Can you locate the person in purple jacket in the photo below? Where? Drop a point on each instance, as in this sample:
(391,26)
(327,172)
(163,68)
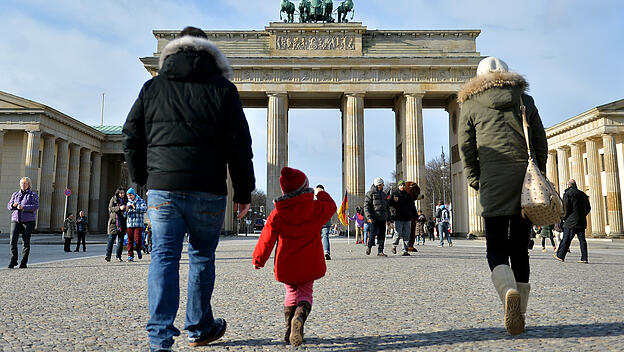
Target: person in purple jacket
(23,206)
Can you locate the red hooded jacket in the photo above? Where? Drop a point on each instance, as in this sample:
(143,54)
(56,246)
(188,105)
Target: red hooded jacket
(296,220)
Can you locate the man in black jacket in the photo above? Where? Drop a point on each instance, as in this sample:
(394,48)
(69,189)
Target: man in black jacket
(186,127)
(404,213)
(575,221)
(376,211)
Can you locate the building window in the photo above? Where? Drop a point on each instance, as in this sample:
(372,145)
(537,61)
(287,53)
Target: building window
(585,161)
(602,163)
(606,206)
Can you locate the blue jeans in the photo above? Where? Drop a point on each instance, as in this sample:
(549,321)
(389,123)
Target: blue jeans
(111,241)
(172,215)
(443,231)
(325,239)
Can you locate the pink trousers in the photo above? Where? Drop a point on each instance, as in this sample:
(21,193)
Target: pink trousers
(298,293)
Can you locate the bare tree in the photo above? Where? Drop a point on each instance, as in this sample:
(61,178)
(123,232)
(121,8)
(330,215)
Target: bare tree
(438,187)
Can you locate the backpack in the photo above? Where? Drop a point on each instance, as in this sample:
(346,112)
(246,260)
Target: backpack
(444,215)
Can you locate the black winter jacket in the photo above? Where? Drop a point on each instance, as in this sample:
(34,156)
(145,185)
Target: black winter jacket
(188,124)
(404,208)
(577,207)
(376,204)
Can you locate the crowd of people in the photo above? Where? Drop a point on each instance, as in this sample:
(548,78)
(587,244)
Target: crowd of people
(187,197)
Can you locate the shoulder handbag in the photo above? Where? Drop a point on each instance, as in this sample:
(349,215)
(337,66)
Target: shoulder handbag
(539,200)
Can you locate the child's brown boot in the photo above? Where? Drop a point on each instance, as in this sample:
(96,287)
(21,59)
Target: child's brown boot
(289,312)
(301,314)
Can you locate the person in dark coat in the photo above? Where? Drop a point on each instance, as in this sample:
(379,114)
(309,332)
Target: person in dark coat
(82,224)
(23,206)
(493,150)
(577,207)
(376,211)
(404,213)
(116,223)
(185,131)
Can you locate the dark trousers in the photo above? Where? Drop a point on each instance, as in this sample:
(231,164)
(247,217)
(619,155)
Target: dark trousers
(507,239)
(67,244)
(81,237)
(568,236)
(25,229)
(412,237)
(377,229)
(111,242)
(552,241)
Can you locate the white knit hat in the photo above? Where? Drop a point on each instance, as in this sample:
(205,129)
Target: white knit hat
(378,181)
(491,64)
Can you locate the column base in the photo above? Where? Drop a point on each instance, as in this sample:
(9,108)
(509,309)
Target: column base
(598,235)
(615,235)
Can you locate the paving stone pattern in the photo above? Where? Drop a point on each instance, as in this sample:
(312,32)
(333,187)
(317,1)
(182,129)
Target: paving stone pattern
(437,299)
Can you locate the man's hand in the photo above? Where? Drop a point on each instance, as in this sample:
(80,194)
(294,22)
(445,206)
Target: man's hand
(242,209)
(15,205)
(370,220)
(122,207)
(20,207)
(396,199)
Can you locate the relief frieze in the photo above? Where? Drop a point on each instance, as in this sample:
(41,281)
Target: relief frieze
(320,42)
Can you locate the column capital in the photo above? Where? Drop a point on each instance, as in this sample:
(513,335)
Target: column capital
(414,95)
(35,132)
(277,94)
(48,136)
(2,132)
(563,148)
(355,94)
(608,134)
(552,151)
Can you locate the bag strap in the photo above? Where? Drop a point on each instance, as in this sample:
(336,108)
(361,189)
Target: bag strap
(525,126)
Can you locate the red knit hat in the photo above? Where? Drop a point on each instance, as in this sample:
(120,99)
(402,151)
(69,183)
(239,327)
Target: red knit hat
(292,180)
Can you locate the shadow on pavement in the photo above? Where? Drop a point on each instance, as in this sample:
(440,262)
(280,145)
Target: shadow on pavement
(441,338)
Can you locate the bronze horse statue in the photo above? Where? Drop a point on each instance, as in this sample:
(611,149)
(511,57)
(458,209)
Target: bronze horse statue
(304,11)
(321,10)
(289,8)
(343,9)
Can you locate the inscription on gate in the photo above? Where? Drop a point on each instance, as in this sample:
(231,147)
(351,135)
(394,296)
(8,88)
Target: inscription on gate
(321,42)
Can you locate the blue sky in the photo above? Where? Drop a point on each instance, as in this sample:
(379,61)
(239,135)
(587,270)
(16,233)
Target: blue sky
(66,53)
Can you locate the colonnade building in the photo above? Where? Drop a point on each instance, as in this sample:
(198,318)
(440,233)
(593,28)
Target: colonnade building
(58,152)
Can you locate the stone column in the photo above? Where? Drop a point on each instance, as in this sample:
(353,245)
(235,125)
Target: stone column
(84,181)
(563,169)
(595,188)
(277,144)
(32,158)
(551,168)
(73,182)
(94,193)
(577,165)
(45,189)
(1,149)
(612,179)
(475,220)
(353,177)
(60,183)
(414,143)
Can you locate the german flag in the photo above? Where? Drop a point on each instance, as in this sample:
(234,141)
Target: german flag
(342,211)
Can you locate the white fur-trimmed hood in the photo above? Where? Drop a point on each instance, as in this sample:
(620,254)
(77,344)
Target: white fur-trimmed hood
(198,44)
(484,82)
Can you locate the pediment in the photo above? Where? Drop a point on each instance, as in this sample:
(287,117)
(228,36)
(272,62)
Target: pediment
(13,102)
(616,106)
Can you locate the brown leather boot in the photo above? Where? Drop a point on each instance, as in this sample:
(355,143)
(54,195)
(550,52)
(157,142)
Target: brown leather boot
(301,314)
(289,312)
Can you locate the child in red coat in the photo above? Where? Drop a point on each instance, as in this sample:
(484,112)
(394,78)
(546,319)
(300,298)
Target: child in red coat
(299,260)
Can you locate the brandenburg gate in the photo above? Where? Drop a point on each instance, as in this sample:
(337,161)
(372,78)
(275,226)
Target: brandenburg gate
(349,67)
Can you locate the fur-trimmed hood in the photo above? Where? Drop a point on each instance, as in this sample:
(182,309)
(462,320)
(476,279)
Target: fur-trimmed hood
(482,83)
(190,43)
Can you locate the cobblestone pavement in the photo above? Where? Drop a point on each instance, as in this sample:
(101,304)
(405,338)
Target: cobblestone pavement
(437,299)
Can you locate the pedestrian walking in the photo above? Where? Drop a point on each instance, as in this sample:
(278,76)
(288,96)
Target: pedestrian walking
(421,223)
(376,211)
(359,224)
(325,230)
(431,229)
(82,223)
(547,232)
(135,213)
(494,154)
(69,231)
(404,213)
(294,224)
(444,218)
(23,206)
(116,223)
(185,131)
(574,221)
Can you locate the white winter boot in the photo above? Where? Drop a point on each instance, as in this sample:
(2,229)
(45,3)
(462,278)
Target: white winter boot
(524,289)
(505,284)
